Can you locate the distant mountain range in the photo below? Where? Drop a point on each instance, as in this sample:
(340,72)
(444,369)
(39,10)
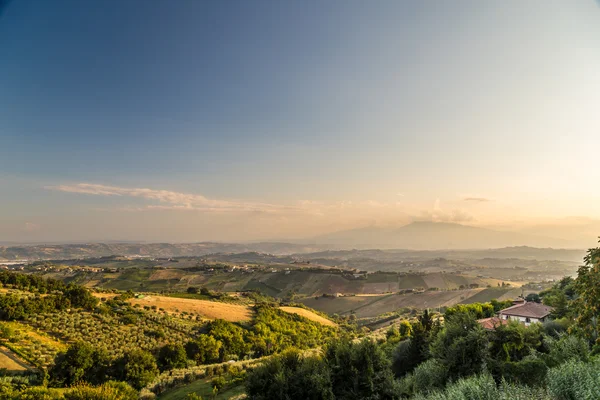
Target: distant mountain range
(92,250)
(435,235)
(435,238)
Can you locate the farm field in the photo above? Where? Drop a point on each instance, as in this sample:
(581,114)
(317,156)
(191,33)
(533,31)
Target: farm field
(308,314)
(205,308)
(11,363)
(371,306)
(488,294)
(203,388)
(278,280)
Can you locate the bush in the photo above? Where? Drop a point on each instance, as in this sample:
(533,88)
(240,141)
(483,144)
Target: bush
(108,391)
(219,382)
(568,347)
(575,380)
(483,387)
(555,328)
(428,376)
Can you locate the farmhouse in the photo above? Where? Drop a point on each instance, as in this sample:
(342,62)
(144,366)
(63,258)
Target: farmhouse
(526,312)
(521,311)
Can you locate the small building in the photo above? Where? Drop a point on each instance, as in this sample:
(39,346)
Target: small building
(526,312)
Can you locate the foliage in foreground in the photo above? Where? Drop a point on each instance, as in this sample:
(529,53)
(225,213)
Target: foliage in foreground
(108,391)
(346,370)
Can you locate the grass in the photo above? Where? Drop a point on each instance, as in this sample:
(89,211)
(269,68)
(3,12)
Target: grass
(309,315)
(202,388)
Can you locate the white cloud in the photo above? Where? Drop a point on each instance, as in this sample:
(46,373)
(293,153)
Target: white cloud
(476,199)
(437,214)
(169,200)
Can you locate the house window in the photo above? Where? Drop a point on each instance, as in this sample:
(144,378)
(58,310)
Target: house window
(528,319)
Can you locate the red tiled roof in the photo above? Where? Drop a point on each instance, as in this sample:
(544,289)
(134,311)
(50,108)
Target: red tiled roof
(528,309)
(491,323)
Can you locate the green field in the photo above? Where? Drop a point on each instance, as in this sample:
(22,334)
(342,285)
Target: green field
(371,306)
(203,388)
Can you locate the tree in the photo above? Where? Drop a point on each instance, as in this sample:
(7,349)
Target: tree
(72,366)
(172,356)
(412,352)
(204,349)
(138,368)
(230,335)
(561,306)
(587,286)
(533,297)
(405,328)
(290,376)
(514,341)
(462,346)
(359,371)
(80,297)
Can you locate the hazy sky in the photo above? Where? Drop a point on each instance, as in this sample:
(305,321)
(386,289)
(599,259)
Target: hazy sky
(198,120)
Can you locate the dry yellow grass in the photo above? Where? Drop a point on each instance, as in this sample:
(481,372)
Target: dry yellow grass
(105,295)
(308,314)
(207,309)
(11,362)
(494,282)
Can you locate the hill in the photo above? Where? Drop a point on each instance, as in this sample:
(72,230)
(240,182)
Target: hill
(90,250)
(434,235)
(303,312)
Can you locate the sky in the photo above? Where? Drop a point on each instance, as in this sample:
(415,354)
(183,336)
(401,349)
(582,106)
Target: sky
(266,120)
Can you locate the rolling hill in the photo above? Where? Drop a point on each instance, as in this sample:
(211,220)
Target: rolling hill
(434,235)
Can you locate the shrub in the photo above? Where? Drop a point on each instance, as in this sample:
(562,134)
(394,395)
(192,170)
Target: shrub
(483,387)
(575,380)
(428,376)
(219,382)
(568,347)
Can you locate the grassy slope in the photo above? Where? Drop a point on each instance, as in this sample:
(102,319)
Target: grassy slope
(309,315)
(203,388)
(206,308)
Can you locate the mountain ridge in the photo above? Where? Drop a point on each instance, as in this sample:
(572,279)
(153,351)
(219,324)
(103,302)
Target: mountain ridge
(428,235)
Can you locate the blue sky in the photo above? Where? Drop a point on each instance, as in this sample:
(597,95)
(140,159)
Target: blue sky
(293,118)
